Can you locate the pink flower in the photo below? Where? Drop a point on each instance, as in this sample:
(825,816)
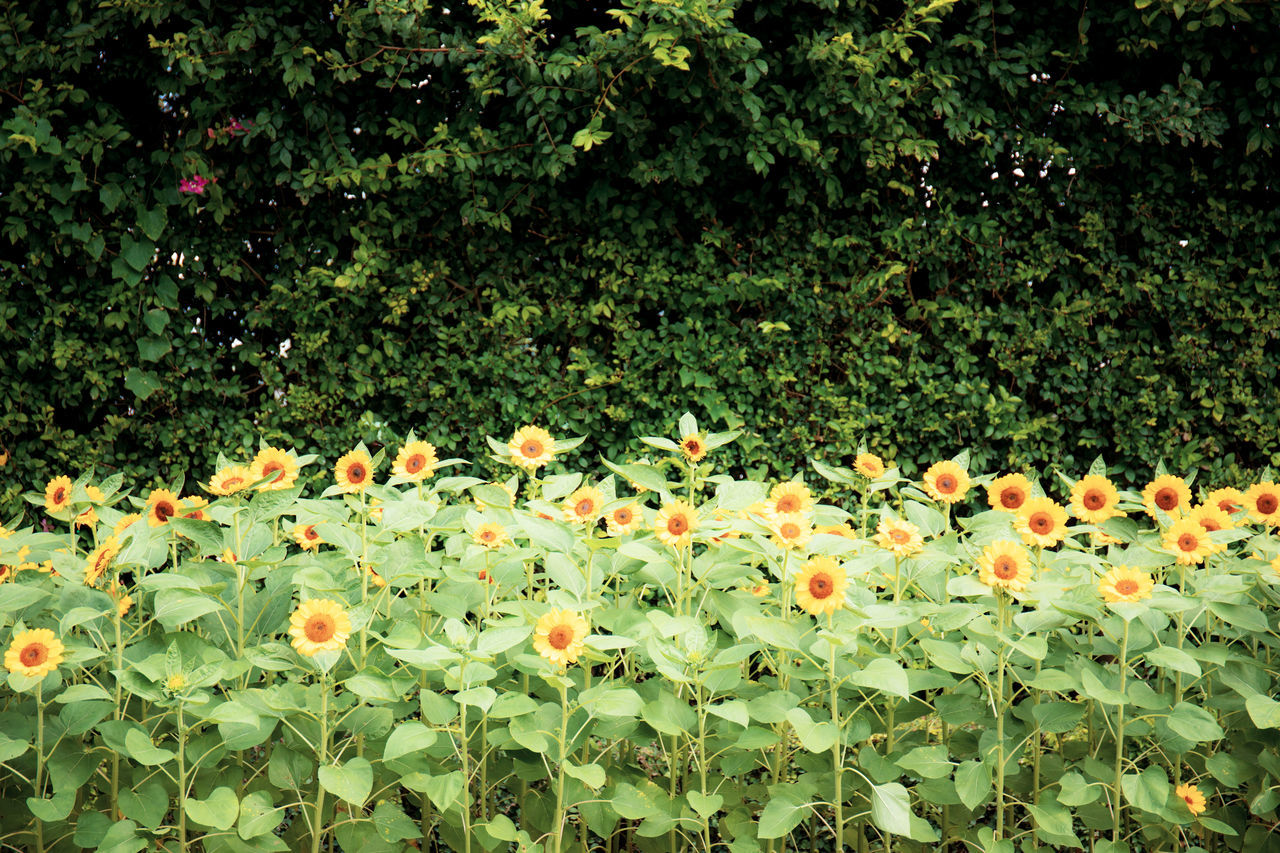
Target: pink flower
(234,126)
(194,185)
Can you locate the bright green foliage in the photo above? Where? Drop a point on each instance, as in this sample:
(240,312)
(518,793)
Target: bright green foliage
(464,218)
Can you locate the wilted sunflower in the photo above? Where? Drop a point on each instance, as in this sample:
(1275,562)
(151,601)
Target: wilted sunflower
(1094,499)
(1191,795)
(1005,565)
(675,524)
(1170,494)
(305,535)
(1188,541)
(790,530)
(531,448)
(820,586)
(1125,584)
(1042,522)
(490,535)
(162,505)
(229,480)
(558,636)
(946,481)
(1262,500)
(415,461)
(57,495)
(790,497)
(693,446)
(353,472)
(274,463)
(34,653)
(100,560)
(902,538)
(319,625)
(869,465)
(583,506)
(1229,500)
(1009,493)
(624,519)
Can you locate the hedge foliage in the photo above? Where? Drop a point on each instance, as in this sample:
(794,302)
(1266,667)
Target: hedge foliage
(1042,232)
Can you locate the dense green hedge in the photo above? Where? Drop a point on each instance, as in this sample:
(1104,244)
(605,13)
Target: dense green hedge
(784,214)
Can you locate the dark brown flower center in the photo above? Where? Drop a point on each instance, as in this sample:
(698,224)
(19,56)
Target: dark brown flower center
(165,510)
(1094,500)
(1167,498)
(560,637)
(622,517)
(59,495)
(946,484)
(488,535)
(1209,524)
(531,449)
(1228,506)
(1012,497)
(899,536)
(1005,568)
(273,468)
(1041,523)
(820,586)
(677,524)
(1126,586)
(319,628)
(789,530)
(692,446)
(1267,503)
(1188,542)
(310,532)
(232,481)
(788,503)
(356,473)
(34,654)
(585,507)
(416,463)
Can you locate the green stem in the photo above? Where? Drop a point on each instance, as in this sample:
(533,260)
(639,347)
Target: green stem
(837,748)
(317,824)
(182,780)
(119,712)
(1002,606)
(558,836)
(39,784)
(702,766)
(1119,774)
(466,776)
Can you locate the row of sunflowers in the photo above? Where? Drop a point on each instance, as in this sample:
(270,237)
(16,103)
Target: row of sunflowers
(655,657)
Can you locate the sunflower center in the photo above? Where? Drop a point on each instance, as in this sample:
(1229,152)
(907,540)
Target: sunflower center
(1267,504)
(560,637)
(59,495)
(356,473)
(320,628)
(1012,498)
(693,447)
(487,535)
(531,449)
(273,468)
(946,484)
(165,510)
(790,530)
(310,532)
(1094,500)
(820,586)
(1126,586)
(1188,799)
(677,524)
(416,463)
(1228,506)
(1188,542)
(1041,523)
(1166,499)
(899,536)
(1209,524)
(622,516)
(232,481)
(34,654)
(585,506)
(1005,568)
(788,503)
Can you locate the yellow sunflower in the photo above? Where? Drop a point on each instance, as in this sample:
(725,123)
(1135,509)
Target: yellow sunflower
(1005,565)
(123,601)
(843,529)
(229,480)
(1094,499)
(1227,499)
(558,636)
(675,524)
(820,586)
(415,461)
(490,535)
(1008,493)
(57,495)
(869,465)
(790,497)
(274,463)
(583,506)
(125,521)
(89,518)
(1170,494)
(902,538)
(319,625)
(1191,795)
(193,508)
(1262,500)
(162,505)
(100,560)
(624,519)
(34,653)
(790,530)
(1125,584)
(1211,517)
(531,448)
(353,472)
(694,447)
(306,537)
(1042,522)
(1188,541)
(946,481)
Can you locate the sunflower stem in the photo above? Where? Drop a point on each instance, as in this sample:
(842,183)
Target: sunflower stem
(1002,611)
(837,748)
(1118,806)
(558,826)
(182,780)
(39,782)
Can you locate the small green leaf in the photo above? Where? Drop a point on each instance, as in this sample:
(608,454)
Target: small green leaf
(352,781)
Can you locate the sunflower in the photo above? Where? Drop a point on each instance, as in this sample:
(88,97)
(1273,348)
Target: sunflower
(274,463)
(490,535)
(89,518)
(900,537)
(790,497)
(820,586)
(1211,517)
(162,505)
(558,636)
(675,524)
(57,495)
(1042,522)
(229,480)
(353,472)
(1005,565)
(1191,795)
(760,590)
(34,653)
(1167,493)
(790,530)
(319,625)
(624,519)
(1125,584)
(100,559)
(193,508)
(1101,539)
(1009,493)
(1228,500)
(306,537)
(123,601)
(869,465)
(531,448)
(843,530)
(693,446)
(1188,541)
(946,481)
(125,521)
(1262,500)
(583,506)
(415,462)
(376,579)
(1094,499)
